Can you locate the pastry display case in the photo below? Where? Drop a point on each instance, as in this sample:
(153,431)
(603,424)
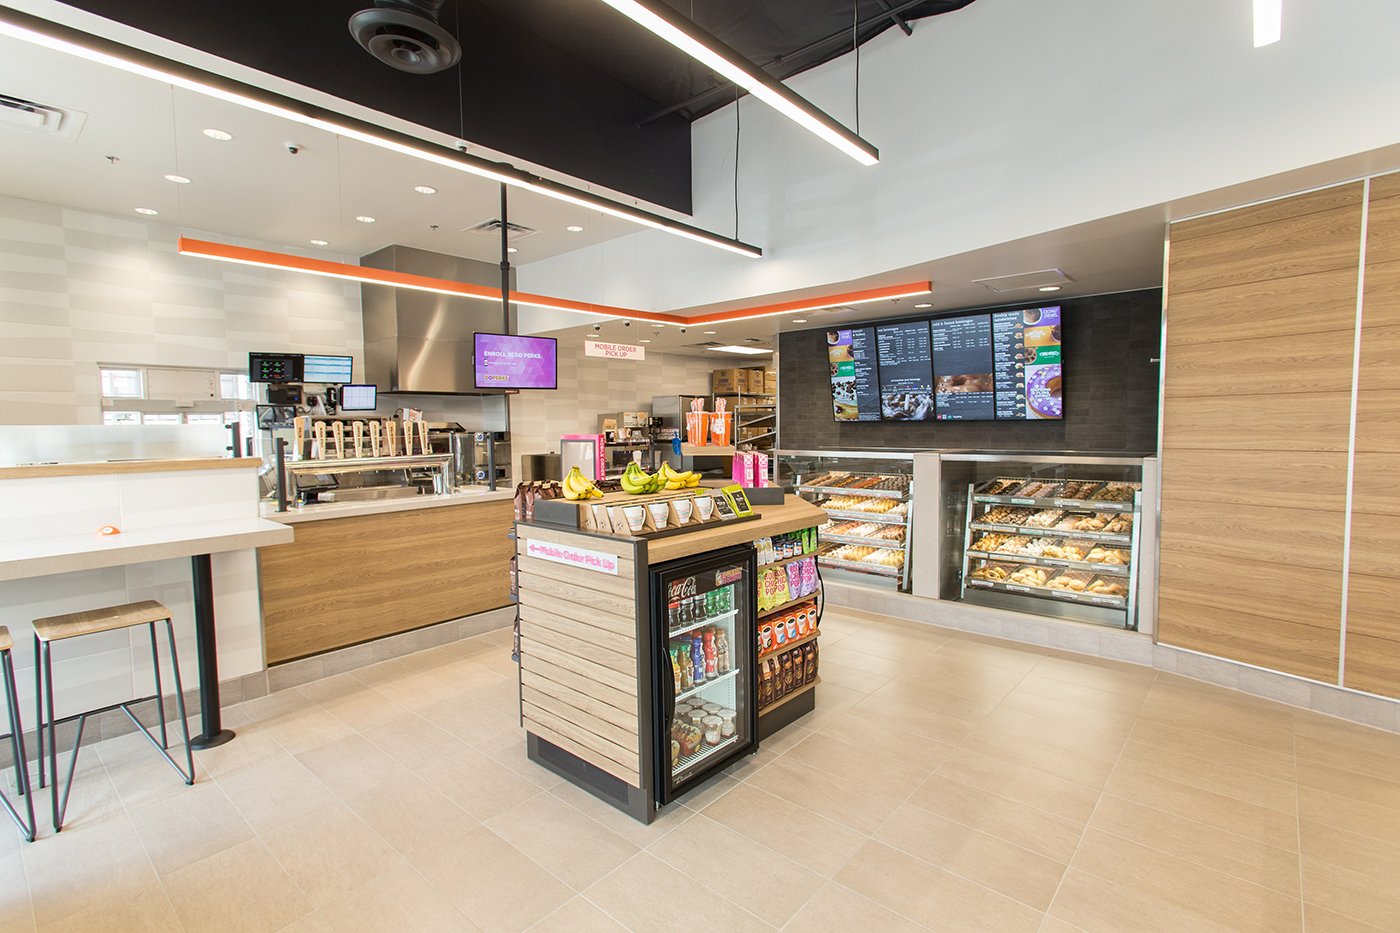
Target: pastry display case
(868,499)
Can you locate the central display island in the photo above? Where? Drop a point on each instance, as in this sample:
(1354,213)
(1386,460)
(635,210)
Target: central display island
(651,662)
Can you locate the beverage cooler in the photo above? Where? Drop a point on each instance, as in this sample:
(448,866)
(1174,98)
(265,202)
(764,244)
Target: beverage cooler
(705,711)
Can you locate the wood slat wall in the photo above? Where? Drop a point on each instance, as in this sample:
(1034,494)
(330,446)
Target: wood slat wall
(578,648)
(1261,322)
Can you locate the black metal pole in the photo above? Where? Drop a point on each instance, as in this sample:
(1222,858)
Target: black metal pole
(281,474)
(236,448)
(505,263)
(206,646)
(491,460)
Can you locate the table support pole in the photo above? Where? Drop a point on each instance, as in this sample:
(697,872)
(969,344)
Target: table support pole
(213,732)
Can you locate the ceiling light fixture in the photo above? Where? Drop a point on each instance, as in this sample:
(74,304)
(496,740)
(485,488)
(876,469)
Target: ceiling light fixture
(320,243)
(1268,22)
(425,189)
(748,351)
(799,320)
(365,219)
(644,340)
(709,333)
(511,249)
(574,228)
(221,135)
(70,41)
(665,22)
(1049,288)
(178,179)
(922,305)
(148,211)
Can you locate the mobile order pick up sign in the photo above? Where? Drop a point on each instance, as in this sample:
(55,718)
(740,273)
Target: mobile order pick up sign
(569,556)
(613,351)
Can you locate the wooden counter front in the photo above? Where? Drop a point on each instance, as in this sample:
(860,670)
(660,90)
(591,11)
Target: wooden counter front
(349,580)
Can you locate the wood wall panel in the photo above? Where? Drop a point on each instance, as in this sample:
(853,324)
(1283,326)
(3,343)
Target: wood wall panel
(1297,246)
(1300,304)
(1372,664)
(1385,186)
(1293,363)
(1288,537)
(348,580)
(1295,594)
(1383,230)
(1300,479)
(1270,212)
(1262,423)
(1277,644)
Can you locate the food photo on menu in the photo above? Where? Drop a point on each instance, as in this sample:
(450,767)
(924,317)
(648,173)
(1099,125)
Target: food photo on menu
(906,371)
(854,389)
(1043,370)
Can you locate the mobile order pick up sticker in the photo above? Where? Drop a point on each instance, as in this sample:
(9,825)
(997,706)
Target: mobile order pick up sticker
(569,556)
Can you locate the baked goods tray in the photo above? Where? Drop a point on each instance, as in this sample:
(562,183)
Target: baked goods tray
(1052,532)
(883,518)
(852,491)
(1069,596)
(1077,505)
(856,539)
(1116,570)
(860,566)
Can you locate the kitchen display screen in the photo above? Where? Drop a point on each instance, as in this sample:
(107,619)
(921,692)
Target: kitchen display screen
(358,398)
(962,368)
(506,361)
(855,387)
(1029,366)
(330,370)
(906,371)
(274,367)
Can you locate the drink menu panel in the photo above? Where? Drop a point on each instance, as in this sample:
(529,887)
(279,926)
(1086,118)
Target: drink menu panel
(906,371)
(855,385)
(1028,364)
(963,368)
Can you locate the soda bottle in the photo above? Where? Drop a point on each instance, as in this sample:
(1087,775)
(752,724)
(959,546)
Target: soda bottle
(676,671)
(673,613)
(722,651)
(697,660)
(711,662)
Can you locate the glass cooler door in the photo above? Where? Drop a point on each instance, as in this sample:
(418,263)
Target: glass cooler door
(703,629)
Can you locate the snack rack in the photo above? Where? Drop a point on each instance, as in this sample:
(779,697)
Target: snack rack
(1072,541)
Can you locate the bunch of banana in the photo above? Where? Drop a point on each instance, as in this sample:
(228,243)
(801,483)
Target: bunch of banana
(577,486)
(637,481)
(674,480)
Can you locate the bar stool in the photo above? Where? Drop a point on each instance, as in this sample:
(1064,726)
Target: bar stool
(16,741)
(93,622)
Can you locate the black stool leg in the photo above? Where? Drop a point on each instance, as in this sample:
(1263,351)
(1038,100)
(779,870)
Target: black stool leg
(180,701)
(17,744)
(39,707)
(53,738)
(160,694)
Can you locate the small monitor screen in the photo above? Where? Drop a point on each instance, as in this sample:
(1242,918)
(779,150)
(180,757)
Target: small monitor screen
(274,367)
(358,398)
(330,370)
(508,361)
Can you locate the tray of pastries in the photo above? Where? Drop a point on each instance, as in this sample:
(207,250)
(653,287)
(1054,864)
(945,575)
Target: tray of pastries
(1067,550)
(993,573)
(1030,576)
(990,541)
(860,504)
(1091,521)
(1117,492)
(1105,586)
(1074,581)
(1079,488)
(1001,486)
(1035,489)
(885,557)
(1120,524)
(850,552)
(1045,518)
(1006,515)
(1117,557)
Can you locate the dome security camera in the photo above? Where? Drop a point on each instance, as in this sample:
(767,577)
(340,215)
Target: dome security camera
(597,327)
(626,323)
(682,330)
(293,148)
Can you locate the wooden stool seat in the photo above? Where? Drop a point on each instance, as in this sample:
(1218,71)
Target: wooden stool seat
(6,643)
(93,621)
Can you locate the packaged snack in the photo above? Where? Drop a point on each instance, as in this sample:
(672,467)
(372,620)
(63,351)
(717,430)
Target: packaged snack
(809,656)
(728,722)
(780,636)
(710,728)
(794,579)
(789,683)
(790,621)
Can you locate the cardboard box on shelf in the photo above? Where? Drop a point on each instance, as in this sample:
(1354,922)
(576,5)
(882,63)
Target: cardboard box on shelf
(753,381)
(770,383)
(726,381)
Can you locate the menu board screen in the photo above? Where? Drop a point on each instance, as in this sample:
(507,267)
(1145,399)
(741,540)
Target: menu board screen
(1029,366)
(855,389)
(906,371)
(962,368)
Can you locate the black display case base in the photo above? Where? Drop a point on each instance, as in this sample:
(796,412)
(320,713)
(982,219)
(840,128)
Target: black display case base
(633,801)
(785,715)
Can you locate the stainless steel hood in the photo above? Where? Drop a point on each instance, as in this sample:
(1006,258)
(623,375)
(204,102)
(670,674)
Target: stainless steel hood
(421,342)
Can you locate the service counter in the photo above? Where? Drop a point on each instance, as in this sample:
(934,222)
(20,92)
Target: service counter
(364,570)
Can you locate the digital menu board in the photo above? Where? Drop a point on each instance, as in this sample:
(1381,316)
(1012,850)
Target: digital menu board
(508,361)
(906,371)
(962,368)
(1029,370)
(855,388)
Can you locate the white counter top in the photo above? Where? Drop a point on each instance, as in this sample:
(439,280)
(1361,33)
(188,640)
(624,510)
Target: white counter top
(42,556)
(324,510)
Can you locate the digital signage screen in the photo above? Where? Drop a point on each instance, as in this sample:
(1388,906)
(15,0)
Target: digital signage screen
(508,361)
(963,382)
(274,367)
(1029,359)
(330,370)
(906,371)
(855,385)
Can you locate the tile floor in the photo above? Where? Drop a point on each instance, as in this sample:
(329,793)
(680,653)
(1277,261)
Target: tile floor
(945,782)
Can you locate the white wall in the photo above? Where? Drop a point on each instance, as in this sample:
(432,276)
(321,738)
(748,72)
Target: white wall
(1004,120)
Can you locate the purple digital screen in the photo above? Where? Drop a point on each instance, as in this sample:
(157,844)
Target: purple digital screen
(506,361)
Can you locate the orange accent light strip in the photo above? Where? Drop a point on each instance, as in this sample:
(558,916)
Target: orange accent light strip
(799,306)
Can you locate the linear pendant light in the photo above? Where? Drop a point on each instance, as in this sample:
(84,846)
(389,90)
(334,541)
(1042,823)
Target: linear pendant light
(658,17)
(70,41)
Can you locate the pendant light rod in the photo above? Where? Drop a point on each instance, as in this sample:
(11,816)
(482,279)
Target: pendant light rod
(666,23)
(38,31)
(505,262)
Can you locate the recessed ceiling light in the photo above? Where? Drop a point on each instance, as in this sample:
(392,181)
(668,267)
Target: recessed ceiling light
(365,219)
(922,305)
(425,189)
(320,243)
(644,340)
(1268,22)
(178,179)
(710,333)
(744,350)
(799,320)
(511,249)
(220,135)
(1049,288)
(574,228)
(148,211)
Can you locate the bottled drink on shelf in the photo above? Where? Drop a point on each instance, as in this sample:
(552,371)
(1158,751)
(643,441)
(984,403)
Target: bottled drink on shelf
(697,659)
(711,663)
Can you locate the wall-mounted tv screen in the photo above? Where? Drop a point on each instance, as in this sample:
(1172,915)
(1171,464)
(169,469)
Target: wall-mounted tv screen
(963,384)
(274,367)
(508,361)
(1029,364)
(330,370)
(855,384)
(906,371)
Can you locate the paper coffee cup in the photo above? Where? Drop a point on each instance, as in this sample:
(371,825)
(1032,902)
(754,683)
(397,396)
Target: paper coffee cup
(636,517)
(660,513)
(705,505)
(683,507)
(600,518)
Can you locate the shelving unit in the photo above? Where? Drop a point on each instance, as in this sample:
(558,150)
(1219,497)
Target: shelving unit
(835,486)
(768,724)
(752,411)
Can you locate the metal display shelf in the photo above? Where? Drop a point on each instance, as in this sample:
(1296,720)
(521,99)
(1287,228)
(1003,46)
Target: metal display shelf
(1054,532)
(862,567)
(687,762)
(797,692)
(713,620)
(857,539)
(1076,505)
(849,491)
(1114,570)
(708,683)
(884,518)
(1088,599)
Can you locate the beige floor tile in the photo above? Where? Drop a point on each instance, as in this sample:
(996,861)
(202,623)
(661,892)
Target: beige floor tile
(516,758)
(852,678)
(276,791)
(1190,839)
(1320,920)
(304,728)
(1369,855)
(1023,784)
(412,816)
(411,740)
(1235,903)
(1098,905)
(578,915)
(932,896)
(575,848)
(253,745)
(1263,824)
(1087,768)
(147,910)
(476,724)
(921,692)
(84,868)
(137,775)
(1101,741)
(477,783)
(491,881)
(922,721)
(189,827)
(636,895)
(329,853)
(859,660)
(361,709)
(703,848)
(893,645)
(1352,890)
(1105,720)
(1271,733)
(1366,788)
(639,834)
(1019,874)
(398,900)
(991,653)
(1348,813)
(873,741)
(1343,734)
(1048,834)
(1274,793)
(837,907)
(350,766)
(1052,925)
(819,844)
(1089,696)
(240,889)
(713,789)
(1269,763)
(1128,680)
(15,911)
(859,805)
(897,775)
(1376,759)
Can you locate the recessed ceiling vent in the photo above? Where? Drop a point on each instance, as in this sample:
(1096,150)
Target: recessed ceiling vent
(1024,280)
(18,113)
(405,34)
(492,228)
(707,344)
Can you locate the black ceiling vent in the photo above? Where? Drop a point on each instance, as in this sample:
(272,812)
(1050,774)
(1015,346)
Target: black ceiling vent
(492,227)
(405,34)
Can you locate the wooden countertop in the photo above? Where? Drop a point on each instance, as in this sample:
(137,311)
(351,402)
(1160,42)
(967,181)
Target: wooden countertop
(115,467)
(794,514)
(321,511)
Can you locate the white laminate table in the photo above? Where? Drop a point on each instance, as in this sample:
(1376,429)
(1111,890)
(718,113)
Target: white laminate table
(197,541)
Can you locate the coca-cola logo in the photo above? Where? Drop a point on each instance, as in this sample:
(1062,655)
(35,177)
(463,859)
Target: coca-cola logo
(683,589)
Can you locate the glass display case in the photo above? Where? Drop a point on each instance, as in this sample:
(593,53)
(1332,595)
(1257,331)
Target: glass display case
(869,501)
